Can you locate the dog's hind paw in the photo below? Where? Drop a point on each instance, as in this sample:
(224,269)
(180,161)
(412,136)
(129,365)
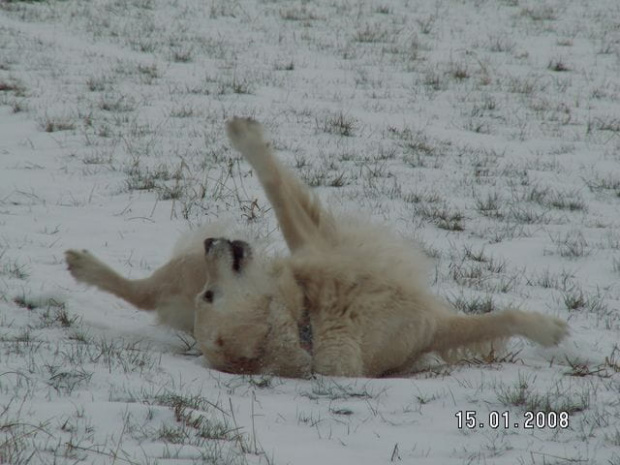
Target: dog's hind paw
(246,136)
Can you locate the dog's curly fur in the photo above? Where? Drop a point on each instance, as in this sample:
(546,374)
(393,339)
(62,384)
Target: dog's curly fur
(360,288)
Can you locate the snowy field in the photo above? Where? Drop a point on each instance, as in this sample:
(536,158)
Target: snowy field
(487,131)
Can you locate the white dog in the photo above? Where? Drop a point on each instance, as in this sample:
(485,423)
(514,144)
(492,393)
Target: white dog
(350,300)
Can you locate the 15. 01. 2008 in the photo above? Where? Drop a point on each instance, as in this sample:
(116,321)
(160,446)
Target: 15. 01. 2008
(469,419)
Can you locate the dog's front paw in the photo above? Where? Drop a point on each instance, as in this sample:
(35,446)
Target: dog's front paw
(76,259)
(547,331)
(246,135)
(83,266)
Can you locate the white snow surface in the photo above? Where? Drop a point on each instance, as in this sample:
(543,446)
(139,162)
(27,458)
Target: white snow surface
(486,131)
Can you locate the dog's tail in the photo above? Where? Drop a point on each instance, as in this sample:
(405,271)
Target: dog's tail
(458,337)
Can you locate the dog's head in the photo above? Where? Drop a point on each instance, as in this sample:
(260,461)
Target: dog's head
(231,311)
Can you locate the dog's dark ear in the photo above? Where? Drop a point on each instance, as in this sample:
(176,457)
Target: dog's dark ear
(241,251)
(208,243)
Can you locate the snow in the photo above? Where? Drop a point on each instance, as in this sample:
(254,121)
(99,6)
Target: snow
(487,131)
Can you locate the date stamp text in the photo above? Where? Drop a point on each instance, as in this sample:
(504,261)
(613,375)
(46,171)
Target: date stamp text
(470,419)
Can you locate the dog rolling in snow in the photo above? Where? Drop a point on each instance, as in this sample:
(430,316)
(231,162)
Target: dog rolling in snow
(349,300)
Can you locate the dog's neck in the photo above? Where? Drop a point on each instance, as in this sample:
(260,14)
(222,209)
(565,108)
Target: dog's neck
(305,331)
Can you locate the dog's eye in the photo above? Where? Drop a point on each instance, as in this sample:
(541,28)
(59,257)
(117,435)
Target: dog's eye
(208,296)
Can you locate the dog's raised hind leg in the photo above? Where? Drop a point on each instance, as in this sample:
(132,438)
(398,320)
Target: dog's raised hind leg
(299,212)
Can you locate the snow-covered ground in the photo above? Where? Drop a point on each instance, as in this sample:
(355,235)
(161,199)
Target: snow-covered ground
(489,131)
